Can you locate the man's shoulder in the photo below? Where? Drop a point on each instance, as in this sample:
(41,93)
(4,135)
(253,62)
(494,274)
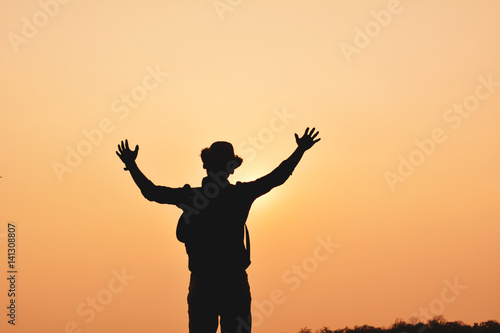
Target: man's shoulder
(239,185)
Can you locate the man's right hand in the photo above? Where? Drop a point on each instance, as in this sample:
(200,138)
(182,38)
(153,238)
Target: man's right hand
(126,155)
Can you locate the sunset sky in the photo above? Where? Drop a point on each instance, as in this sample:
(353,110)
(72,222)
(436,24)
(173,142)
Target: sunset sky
(394,213)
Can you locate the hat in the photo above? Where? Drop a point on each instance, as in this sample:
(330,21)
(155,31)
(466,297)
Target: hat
(220,157)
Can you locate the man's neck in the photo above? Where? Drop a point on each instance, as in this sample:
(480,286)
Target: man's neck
(219,180)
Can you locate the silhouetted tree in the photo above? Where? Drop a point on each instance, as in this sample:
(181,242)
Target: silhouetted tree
(342,330)
(490,326)
(325,330)
(399,324)
(455,326)
(435,325)
(414,320)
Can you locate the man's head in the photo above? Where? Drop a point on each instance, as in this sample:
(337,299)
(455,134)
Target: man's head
(220,157)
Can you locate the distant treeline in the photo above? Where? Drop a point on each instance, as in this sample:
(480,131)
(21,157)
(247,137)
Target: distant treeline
(436,325)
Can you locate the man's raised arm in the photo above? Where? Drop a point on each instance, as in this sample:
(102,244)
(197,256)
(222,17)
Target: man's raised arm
(279,175)
(150,191)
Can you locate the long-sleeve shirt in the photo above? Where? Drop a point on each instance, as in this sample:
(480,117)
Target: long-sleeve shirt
(212,225)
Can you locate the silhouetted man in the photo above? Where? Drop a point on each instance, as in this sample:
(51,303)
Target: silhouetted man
(212,227)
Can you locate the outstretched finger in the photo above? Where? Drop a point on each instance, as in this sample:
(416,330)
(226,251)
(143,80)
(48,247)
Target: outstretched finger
(306,131)
(314,135)
(126,144)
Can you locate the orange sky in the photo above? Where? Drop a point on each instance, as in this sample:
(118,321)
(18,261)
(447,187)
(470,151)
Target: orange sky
(404,184)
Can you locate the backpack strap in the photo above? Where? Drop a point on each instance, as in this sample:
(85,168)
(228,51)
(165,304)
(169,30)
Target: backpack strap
(247,238)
